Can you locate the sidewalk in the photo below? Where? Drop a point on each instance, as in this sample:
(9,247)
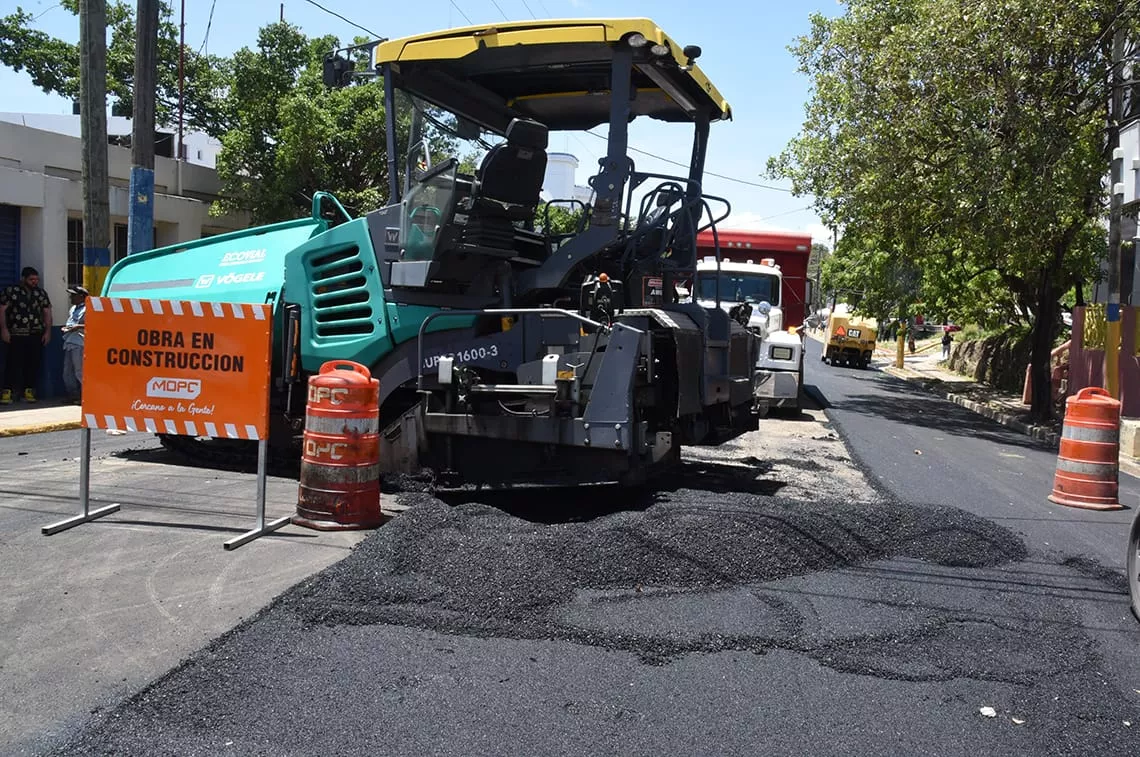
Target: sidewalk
(27,418)
(926,367)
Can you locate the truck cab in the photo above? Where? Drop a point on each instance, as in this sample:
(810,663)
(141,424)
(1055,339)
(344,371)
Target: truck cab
(753,291)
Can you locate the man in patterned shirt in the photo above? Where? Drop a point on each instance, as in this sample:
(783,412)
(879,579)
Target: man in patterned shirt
(25,326)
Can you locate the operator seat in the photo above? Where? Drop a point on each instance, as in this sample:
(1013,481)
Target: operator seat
(507,188)
(511,174)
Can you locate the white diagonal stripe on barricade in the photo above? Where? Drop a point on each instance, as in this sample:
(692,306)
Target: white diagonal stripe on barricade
(259,312)
(109,422)
(219,311)
(156,307)
(129,422)
(196,308)
(176,307)
(136,306)
(231,431)
(92,421)
(116,304)
(191,429)
(97,304)
(239,310)
(171,427)
(211,430)
(251,432)
(150,425)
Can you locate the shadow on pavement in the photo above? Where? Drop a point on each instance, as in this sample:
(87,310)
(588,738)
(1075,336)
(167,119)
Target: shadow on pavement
(913,406)
(571,504)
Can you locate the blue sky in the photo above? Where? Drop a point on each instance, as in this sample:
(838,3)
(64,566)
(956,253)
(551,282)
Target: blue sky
(744,53)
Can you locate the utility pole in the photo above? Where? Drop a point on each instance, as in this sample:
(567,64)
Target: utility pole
(93,133)
(1112,332)
(140,224)
(181,87)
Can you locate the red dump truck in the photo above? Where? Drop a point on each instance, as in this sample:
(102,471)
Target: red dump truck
(789,250)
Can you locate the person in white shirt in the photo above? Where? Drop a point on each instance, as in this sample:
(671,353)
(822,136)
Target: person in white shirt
(73,344)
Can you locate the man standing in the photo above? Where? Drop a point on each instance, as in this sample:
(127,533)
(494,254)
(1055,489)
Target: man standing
(73,344)
(25,326)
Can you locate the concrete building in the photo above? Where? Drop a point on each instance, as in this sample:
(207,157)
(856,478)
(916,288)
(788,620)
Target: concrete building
(559,183)
(197,147)
(41,212)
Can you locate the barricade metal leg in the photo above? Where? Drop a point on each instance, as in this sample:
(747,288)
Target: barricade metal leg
(84,492)
(261,529)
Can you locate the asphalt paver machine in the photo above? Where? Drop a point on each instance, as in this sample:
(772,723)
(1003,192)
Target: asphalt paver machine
(506,353)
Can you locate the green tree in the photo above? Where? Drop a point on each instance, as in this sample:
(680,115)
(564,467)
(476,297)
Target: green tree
(562,220)
(53,65)
(965,139)
(291,136)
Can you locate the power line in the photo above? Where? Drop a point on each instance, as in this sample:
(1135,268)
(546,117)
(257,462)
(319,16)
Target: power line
(209,23)
(461,13)
(707,173)
(786,213)
(42,13)
(496,4)
(528,10)
(544,8)
(342,18)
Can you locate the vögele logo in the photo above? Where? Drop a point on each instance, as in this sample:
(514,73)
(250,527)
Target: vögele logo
(173,388)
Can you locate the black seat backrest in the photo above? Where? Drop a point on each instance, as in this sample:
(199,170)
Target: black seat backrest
(513,171)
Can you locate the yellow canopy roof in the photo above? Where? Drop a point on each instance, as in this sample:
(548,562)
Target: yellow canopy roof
(554,71)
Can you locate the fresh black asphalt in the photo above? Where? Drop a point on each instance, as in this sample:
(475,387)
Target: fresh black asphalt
(702,619)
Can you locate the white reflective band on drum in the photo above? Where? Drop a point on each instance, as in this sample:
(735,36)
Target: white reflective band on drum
(1082,434)
(1100,470)
(321,424)
(340,474)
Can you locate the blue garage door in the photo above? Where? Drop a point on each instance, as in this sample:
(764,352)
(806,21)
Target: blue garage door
(9,245)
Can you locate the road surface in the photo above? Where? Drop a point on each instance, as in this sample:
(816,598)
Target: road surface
(954,612)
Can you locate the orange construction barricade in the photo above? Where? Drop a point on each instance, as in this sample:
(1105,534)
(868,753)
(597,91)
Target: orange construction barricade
(340,464)
(1089,459)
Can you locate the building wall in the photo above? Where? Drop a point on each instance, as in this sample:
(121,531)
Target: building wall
(40,173)
(558,183)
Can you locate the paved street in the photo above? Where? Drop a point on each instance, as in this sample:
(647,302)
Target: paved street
(734,609)
(94,613)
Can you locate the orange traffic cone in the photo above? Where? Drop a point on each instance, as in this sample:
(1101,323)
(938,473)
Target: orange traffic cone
(1089,459)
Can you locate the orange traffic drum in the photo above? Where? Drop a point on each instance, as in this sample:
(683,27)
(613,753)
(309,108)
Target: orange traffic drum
(1088,462)
(339,485)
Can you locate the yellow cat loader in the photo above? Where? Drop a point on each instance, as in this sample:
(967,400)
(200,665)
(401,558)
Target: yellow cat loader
(849,341)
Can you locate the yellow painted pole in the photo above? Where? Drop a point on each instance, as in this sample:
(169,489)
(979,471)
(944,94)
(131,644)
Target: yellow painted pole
(901,351)
(1112,354)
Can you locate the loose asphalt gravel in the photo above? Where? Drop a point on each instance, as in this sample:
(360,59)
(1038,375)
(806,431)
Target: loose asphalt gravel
(764,599)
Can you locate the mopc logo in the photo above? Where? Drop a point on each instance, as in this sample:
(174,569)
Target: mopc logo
(204,281)
(173,388)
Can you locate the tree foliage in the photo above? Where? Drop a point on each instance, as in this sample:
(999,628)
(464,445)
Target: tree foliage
(291,136)
(53,65)
(961,146)
(562,220)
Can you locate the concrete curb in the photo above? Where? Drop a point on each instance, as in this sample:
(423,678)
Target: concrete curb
(40,428)
(1041,433)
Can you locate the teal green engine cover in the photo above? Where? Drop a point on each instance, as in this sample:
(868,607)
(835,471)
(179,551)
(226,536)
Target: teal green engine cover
(242,266)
